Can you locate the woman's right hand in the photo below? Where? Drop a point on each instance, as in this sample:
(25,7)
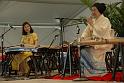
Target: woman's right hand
(90,21)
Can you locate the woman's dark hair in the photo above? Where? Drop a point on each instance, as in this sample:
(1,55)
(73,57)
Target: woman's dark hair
(23,31)
(100,6)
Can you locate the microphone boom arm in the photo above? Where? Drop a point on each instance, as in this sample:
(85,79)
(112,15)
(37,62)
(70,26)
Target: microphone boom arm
(2,46)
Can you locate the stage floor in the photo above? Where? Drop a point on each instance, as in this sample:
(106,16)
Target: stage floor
(43,80)
(54,81)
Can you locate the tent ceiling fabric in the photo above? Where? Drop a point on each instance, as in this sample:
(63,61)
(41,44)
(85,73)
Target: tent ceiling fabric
(73,2)
(38,11)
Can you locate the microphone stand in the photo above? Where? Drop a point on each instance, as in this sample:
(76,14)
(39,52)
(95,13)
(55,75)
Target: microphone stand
(53,40)
(61,20)
(81,78)
(2,46)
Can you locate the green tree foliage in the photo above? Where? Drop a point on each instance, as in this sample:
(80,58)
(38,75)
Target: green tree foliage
(115,12)
(88,3)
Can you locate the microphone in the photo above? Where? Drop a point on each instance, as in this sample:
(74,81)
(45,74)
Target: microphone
(85,21)
(61,18)
(56,35)
(12,27)
(80,20)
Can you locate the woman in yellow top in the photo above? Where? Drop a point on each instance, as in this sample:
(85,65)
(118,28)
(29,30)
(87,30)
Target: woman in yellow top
(29,40)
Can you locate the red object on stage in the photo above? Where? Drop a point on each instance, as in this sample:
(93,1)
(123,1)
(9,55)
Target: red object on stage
(106,77)
(1,57)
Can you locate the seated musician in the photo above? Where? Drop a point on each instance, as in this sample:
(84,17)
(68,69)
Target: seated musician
(98,26)
(29,40)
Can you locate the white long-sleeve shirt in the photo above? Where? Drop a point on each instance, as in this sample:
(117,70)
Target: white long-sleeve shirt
(101,29)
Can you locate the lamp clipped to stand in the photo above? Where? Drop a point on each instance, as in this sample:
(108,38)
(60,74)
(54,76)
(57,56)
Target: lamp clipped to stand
(2,48)
(81,73)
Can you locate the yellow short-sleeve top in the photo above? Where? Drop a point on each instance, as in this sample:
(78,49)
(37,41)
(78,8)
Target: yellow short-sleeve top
(29,39)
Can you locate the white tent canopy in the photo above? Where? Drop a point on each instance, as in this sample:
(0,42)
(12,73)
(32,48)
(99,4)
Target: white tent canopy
(38,12)
(42,15)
